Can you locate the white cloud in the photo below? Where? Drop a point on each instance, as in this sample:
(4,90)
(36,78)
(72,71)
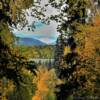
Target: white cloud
(46,40)
(48,31)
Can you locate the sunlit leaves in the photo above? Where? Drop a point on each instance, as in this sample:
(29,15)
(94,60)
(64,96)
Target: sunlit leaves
(88,47)
(46,82)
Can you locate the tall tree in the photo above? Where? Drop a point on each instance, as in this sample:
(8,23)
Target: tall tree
(11,63)
(72,15)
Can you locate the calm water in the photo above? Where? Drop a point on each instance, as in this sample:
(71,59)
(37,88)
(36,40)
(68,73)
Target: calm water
(37,60)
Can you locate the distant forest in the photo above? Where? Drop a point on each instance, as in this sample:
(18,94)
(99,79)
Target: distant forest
(46,51)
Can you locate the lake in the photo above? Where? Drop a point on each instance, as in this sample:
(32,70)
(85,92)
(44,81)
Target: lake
(42,61)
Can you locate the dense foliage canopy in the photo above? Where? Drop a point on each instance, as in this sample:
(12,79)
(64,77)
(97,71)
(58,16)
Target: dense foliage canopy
(75,72)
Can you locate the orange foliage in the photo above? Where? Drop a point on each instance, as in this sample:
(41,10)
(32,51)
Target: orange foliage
(88,46)
(97,21)
(89,38)
(42,87)
(46,81)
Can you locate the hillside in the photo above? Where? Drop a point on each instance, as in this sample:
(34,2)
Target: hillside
(46,51)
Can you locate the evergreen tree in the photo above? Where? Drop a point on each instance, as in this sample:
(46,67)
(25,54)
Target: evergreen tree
(73,14)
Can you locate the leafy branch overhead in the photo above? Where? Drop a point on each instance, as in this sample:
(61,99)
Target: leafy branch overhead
(75,72)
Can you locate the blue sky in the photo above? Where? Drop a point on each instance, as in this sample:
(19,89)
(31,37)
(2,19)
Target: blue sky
(43,32)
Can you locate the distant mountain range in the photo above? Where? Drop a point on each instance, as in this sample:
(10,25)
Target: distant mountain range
(30,42)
